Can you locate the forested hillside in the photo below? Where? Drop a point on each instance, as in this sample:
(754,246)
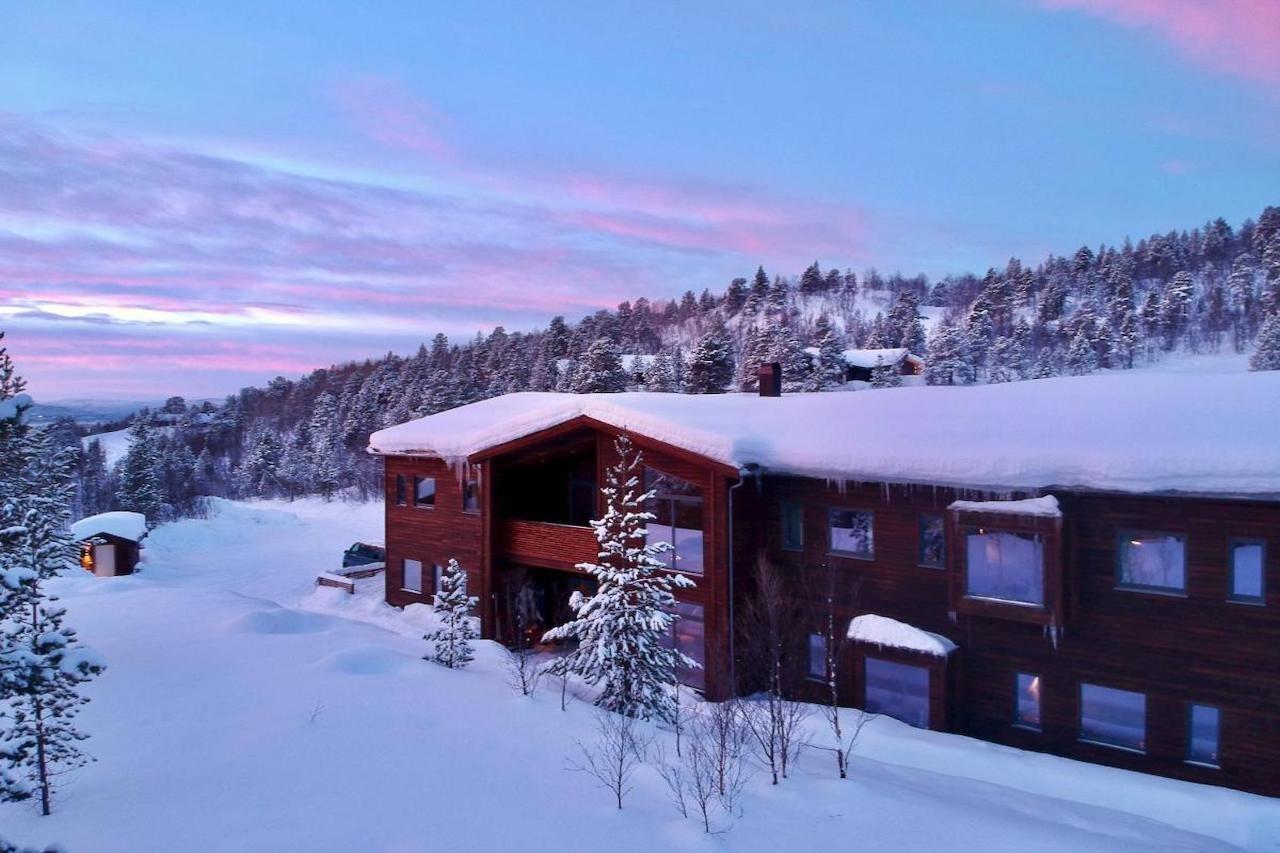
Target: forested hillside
(1211,289)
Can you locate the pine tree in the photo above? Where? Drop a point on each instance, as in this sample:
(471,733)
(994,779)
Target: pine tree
(600,371)
(885,375)
(710,368)
(140,486)
(623,630)
(950,361)
(661,375)
(1266,354)
(1082,358)
(828,368)
(451,642)
(324,446)
(41,661)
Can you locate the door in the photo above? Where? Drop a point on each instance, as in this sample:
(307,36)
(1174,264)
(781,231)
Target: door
(104,560)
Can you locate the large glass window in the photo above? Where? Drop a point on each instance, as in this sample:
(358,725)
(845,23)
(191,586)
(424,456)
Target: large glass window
(1004,566)
(424,491)
(1205,723)
(853,532)
(933,540)
(689,635)
(677,507)
(817,657)
(897,690)
(1026,711)
(471,495)
(1248,558)
(1153,561)
(1113,717)
(792,526)
(412,576)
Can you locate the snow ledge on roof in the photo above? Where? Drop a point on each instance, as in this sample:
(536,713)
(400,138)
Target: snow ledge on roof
(126,525)
(1043,507)
(883,631)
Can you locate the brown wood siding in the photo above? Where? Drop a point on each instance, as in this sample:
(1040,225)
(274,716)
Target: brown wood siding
(548,546)
(431,535)
(1175,649)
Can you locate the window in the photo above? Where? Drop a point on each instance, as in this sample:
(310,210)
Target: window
(1204,723)
(897,690)
(677,509)
(437,578)
(792,526)
(424,491)
(1247,574)
(412,579)
(852,533)
(817,657)
(1156,562)
(1026,709)
(1113,717)
(688,635)
(933,540)
(400,490)
(471,495)
(1004,566)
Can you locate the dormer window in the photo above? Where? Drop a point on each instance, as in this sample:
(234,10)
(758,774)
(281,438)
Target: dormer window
(1005,559)
(1004,565)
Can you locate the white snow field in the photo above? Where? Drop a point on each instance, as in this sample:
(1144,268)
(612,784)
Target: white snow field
(243,709)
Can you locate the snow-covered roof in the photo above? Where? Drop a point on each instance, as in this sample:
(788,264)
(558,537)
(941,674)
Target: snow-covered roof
(869,357)
(1131,431)
(883,631)
(1042,507)
(126,525)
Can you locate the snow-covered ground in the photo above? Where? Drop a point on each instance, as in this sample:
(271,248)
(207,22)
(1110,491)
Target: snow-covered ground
(243,709)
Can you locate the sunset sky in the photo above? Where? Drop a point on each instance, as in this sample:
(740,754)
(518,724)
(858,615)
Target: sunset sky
(197,197)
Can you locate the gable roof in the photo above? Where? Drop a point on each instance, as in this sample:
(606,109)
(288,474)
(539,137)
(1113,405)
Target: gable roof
(1132,431)
(868,357)
(124,525)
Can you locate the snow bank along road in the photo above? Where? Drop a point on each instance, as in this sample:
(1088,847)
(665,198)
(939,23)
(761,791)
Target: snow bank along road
(245,710)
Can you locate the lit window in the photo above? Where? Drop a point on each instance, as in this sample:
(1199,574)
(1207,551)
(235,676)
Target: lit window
(400,490)
(1026,711)
(792,526)
(1153,561)
(1205,721)
(1247,573)
(424,491)
(1113,717)
(412,581)
(897,690)
(933,541)
(817,657)
(852,532)
(1004,566)
(471,495)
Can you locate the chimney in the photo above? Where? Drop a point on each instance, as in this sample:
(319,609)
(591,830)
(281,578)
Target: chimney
(771,379)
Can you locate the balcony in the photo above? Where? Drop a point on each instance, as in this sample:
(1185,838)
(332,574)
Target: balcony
(544,544)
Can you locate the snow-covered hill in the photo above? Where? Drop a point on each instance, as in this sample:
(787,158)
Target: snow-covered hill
(242,709)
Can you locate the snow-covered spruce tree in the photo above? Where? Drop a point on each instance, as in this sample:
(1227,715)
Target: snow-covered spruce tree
(1266,356)
(710,364)
(451,642)
(623,630)
(41,662)
(140,489)
(599,371)
(885,375)
(1082,358)
(827,370)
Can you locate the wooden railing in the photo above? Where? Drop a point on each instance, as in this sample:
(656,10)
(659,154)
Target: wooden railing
(546,545)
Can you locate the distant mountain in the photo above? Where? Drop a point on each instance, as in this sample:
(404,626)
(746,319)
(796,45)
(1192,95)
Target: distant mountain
(87,412)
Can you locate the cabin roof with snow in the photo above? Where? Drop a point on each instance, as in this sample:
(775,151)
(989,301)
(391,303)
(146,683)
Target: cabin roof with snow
(122,525)
(868,358)
(1134,432)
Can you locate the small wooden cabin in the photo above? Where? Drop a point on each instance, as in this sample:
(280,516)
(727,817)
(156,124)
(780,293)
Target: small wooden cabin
(109,542)
(859,363)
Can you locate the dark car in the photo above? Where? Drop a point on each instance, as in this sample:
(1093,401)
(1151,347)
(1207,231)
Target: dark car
(362,553)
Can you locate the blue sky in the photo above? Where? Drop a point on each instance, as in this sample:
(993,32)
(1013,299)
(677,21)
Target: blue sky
(195,197)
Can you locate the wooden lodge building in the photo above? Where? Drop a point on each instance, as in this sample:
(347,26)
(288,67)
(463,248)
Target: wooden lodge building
(1085,566)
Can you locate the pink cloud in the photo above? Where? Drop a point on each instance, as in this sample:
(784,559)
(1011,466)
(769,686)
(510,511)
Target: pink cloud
(1238,37)
(387,112)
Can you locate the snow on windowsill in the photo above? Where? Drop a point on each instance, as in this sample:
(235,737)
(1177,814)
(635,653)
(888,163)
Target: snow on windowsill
(1043,507)
(883,631)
